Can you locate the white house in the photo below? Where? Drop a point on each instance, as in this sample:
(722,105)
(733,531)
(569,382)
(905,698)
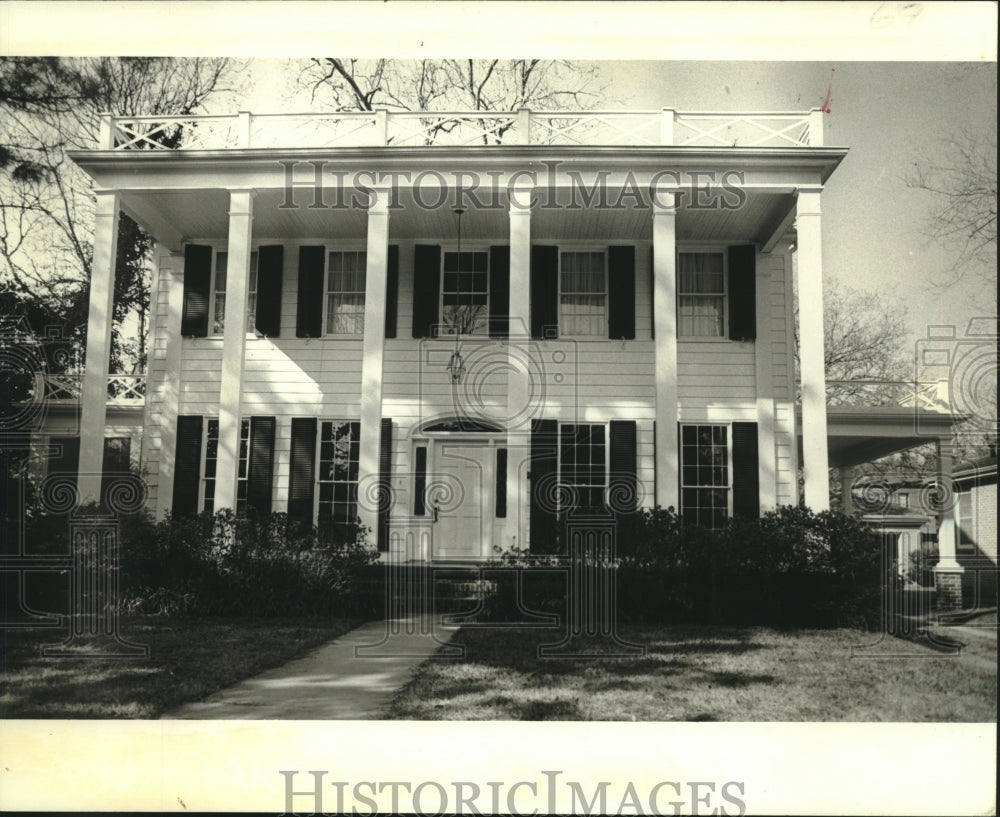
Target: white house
(456,340)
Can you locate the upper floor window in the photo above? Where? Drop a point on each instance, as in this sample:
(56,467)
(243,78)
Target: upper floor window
(465,293)
(220,278)
(345,292)
(583,294)
(701,294)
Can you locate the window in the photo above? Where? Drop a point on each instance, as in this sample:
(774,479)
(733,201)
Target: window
(583,463)
(701,294)
(583,294)
(211,458)
(966,531)
(903,500)
(345,292)
(220,278)
(705,494)
(465,293)
(338,473)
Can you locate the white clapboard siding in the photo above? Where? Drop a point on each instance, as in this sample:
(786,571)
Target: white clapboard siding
(715,370)
(786,453)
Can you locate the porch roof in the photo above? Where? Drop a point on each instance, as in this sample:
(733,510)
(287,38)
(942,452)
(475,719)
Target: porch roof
(858,434)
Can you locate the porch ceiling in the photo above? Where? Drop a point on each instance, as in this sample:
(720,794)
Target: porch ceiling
(174,216)
(859,434)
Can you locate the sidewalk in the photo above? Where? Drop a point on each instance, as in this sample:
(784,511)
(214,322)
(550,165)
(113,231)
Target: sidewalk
(330,683)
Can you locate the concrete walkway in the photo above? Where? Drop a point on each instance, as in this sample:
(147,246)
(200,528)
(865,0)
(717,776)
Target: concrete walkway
(352,677)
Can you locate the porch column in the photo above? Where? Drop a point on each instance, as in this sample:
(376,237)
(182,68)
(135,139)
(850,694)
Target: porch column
(809,278)
(518,346)
(377,261)
(94,402)
(947,572)
(233,346)
(665,327)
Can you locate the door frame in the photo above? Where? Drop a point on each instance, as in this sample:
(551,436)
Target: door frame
(437,443)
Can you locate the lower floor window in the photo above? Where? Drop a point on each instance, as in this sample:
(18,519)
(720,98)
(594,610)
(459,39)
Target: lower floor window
(705,486)
(338,473)
(211,462)
(583,463)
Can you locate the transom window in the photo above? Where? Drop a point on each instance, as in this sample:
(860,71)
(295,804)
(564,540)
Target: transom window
(583,462)
(345,292)
(583,294)
(701,294)
(705,485)
(465,293)
(220,276)
(339,450)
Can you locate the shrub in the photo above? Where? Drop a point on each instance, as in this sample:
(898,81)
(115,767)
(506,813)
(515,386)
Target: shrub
(922,563)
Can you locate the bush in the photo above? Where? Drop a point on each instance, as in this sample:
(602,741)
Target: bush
(246,565)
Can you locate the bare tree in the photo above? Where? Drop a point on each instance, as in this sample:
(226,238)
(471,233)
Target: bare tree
(453,85)
(962,176)
(51,106)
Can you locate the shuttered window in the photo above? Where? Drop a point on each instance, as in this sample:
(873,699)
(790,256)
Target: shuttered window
(302,470)
(705,494)
(621,293)
(465,293)
(270,271)
(583,294)
(187,465)
(544,292)
(339,450)
(220,279)
(583,464)
(197,286)
(426,289)
(701,294)
(309,308)
(345,292)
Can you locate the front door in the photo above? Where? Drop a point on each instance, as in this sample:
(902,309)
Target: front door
(462,509)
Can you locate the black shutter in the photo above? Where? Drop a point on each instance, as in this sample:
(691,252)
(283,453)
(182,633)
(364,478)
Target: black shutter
(385,485)
(270,262)
(652,294)
(66,457)
(392,291)
(544,471)
(197,281)
(499,292)
(420,481)
(261,473)
(621,293)
(501,484)
(309,311)
(187,465)
(426,289)
(544,291)
(624,487)
(742,292)
(302,472)
(746,483)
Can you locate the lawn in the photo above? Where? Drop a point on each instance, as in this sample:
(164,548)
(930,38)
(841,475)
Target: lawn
(702,673)
(189,658)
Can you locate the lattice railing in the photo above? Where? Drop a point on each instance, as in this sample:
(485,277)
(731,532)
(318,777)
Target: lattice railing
(123,389)
(929,395)
(463,128)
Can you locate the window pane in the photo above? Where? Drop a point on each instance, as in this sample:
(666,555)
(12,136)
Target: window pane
(705,474)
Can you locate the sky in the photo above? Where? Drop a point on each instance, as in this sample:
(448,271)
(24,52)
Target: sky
(893,116)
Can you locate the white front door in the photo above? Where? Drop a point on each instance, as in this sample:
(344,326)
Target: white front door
(463,513)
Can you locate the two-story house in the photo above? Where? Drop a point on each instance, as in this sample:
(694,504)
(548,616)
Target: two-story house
(455,341)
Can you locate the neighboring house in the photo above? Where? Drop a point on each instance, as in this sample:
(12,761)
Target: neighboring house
(607,324)
(976,513)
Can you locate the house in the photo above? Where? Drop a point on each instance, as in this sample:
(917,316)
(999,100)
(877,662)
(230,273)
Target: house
(456,339)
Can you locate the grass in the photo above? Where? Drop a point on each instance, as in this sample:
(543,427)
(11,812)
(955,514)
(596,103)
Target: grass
(702,673)
(190,657)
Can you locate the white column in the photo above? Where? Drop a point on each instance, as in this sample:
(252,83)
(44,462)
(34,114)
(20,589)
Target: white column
(665,325)
(947,533)
(163,389)
(809,277)
(373,345)
(234,343)
(518,348)
(99,321)
(767,471)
